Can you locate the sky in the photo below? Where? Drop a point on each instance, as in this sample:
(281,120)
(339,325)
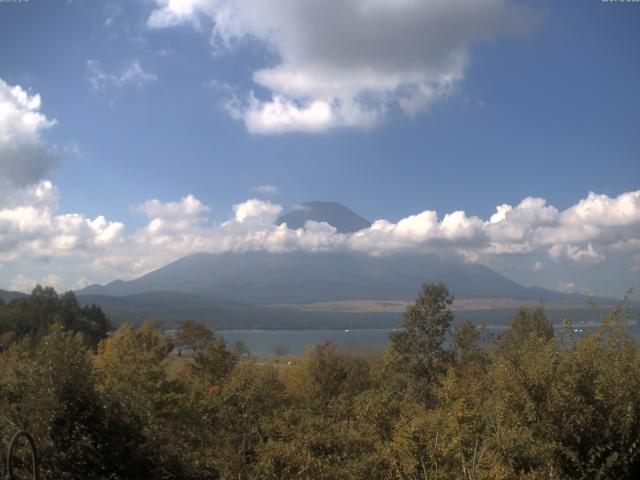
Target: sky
(493,131)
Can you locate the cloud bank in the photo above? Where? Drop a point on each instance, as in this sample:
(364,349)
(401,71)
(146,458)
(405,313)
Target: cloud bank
(34,231)
(346,63)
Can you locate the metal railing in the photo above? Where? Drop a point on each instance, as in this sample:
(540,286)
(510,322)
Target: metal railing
(11,451)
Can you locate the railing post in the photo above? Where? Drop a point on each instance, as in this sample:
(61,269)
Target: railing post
(10,451)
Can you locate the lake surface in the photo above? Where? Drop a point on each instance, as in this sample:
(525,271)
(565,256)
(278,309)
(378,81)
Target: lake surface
(262,342)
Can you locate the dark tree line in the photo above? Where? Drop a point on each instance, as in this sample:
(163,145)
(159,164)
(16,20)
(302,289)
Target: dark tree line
(32,317)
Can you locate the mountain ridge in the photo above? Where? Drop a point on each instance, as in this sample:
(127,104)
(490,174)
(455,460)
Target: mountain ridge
(262,278)
(342,218)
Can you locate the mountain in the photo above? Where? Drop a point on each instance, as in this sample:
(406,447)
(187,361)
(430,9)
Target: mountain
(312,290)
(172,308)
(335,214)
(8,295)
(262,278)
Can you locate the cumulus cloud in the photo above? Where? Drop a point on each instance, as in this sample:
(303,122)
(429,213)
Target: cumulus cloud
(31,229)
(538,267)
(257,212)
(347,62)
(25,158)
(423,230)
(576,255)
(132,75)
(188,209)
(513,230)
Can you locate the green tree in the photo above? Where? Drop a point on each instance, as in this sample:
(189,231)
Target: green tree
(522,379)
(419,348)
(594,420)
(132,378)
(32,316)
(249,395)
(50,391)
(194,335)
(213,362)
(526,324)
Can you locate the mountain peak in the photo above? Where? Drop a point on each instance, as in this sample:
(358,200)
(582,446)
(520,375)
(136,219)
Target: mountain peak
(335,214)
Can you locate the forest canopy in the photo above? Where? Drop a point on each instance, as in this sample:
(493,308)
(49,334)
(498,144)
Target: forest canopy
(439,403)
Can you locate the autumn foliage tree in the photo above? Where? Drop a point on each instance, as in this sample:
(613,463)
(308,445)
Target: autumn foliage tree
(441,402)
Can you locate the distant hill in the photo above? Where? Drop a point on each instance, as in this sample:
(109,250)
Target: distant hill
(335,214)
(172,308)
(261,278)
(8,295)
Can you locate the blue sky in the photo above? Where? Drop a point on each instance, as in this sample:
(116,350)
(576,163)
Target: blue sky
(151,102)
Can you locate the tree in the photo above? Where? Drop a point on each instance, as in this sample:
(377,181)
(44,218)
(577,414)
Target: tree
(32,316)
(420,346)
(521,379)
(212,364)
(134,385)
(250,394)
(50,392)
(318,434)
(279,351)
(240,349)
(469,356)
(194,335)
(594,419)
(526,324)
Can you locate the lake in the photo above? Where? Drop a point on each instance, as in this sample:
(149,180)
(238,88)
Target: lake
(262,342)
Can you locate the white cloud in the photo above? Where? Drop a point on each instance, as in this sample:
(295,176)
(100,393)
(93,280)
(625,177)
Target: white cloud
(347,62)
(132,75)
(172,228)
(30,228)
(33,232)
(266,189)
(188,207)
(257,212)
(596,217)
(21,283)
(576,255)
(567,287)
(24,157)
(175,12)
(281,116)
